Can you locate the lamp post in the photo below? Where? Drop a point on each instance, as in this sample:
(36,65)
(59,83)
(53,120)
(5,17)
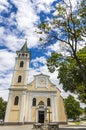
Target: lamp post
(49,114)
(45,127)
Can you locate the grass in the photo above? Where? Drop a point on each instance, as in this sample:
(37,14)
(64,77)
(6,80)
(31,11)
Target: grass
(77,123)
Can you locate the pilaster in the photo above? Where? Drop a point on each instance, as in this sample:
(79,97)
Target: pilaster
(8,108)
(22,111)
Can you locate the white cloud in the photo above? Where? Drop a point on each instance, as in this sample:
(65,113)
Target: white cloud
(39,59)
(4,94)
(47,2)
(1,31)
(4,2)
(48,53)
(56,47)
(44,5)
(4,5)
(25,21)
(32,72)
(10,40)
(7,60)
(26,16)
(5,82)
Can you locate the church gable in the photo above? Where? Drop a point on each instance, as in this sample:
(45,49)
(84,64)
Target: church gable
(42,83)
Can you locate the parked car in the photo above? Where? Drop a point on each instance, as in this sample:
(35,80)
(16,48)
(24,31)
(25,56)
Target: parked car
(70,120)
(78,120)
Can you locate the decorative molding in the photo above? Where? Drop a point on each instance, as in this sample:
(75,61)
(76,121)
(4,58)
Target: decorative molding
(17,89)
(41,93)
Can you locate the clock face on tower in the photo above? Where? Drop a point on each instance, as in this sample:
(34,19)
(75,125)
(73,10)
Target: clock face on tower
(41,81)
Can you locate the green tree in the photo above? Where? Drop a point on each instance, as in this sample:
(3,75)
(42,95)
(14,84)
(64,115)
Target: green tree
(2,108)
(72,108)
(85,111)
(69,73)
(68,27)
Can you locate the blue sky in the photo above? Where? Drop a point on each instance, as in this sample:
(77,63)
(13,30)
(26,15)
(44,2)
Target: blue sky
(18,22)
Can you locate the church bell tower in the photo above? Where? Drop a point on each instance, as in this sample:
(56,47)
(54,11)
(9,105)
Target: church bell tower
(15,111)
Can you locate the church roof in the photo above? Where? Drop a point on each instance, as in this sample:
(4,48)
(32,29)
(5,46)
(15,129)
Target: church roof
(41,74)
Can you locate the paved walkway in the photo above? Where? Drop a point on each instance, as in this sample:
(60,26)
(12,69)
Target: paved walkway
(29,127)
(16,127)
(70,126)
(74,126)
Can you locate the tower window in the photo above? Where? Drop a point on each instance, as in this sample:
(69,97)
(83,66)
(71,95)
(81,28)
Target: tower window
(34,102)
(16,100)
(21,64)
(22,54)
(19,78)
(48,102)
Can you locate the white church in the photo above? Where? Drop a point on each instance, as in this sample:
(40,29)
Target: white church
(27,102)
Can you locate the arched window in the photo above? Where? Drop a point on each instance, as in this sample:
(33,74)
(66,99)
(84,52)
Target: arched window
(23,54)
(21,64)
(16,100)
(48,102)
(34,102)
(19,78)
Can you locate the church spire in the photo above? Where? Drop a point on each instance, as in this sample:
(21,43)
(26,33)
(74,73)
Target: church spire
(24,48)
(23,51)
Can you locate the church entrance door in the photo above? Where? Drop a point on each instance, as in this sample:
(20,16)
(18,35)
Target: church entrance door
(41,116)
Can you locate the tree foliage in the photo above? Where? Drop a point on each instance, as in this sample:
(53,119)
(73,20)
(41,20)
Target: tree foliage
(69,27)
(72,108)
(85,111)
(69,72)
(2,108)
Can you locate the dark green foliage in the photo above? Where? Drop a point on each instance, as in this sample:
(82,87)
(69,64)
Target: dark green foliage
(73,109)
(85,111)
(53,62)
(2,108)
(69,72)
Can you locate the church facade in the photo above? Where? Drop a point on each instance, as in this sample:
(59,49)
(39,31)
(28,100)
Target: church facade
(27,102)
